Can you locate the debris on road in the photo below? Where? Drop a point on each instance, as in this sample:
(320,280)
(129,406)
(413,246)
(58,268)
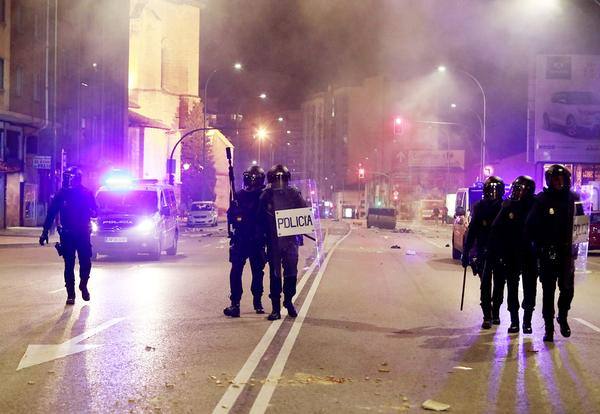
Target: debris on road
(395,246)
(462,368)
(169,385)
(403,230)
(150,348)
(411,253)
(305,379)
(30,382)
(433,405)
(447,245)
(383,370)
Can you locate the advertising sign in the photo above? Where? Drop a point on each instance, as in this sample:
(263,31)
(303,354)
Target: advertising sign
(42,162)
(294,221)
(567,108)
(437,159)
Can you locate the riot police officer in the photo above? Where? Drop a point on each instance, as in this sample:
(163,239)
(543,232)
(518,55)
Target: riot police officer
(281,251)
(247,241)
(484,214)
(512,255)
(76,206)
(549,226)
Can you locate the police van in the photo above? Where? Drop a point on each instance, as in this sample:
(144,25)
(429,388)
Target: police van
(135,216)
(465,199)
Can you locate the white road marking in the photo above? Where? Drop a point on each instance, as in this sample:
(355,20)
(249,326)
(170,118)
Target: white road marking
(588,324)
(38,354)
(232,393)
(266,392)
(57,290)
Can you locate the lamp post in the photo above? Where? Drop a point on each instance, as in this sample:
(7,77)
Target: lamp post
(171,161)
(483,134)
(261,134)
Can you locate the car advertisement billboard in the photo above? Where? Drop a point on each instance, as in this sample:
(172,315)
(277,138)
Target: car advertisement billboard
(567,108)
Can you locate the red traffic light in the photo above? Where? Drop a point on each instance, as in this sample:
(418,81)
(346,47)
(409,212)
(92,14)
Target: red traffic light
(398,123)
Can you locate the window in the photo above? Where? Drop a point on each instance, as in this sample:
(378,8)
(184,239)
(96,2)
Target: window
(1,73)
(19,81)
(2,11)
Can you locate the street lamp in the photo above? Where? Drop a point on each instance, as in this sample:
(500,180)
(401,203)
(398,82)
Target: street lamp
(263,96)
(443,69)
(261,134)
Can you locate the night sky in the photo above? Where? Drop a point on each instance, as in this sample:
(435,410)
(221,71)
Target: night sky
(291,48)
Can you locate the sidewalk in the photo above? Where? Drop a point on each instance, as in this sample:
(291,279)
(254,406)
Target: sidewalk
(21,236)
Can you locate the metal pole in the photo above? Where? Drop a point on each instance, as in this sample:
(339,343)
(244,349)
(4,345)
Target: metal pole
(259,142)
(483,137)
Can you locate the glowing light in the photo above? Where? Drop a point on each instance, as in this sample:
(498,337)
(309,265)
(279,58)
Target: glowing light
(288,132)
(118,179)
(398,120)
(186,166)
(261,133)
(488,170)
(263,96)
(94,226)
(254,162)
(146,226)
(280,119)
(441,68)
(238,66)
(453,105)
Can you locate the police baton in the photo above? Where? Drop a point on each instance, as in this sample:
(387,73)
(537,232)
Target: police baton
(462,296)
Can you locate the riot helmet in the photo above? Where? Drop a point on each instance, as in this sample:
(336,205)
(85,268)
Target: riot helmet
(254,178)
(558,178)
(279,176)
(72,177)
(493,188)
(523,187)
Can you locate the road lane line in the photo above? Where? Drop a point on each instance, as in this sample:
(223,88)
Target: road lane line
(232,393)
(266,392)
(57,290)
(588,324)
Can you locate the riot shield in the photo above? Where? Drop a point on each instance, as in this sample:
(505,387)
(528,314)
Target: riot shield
(581,231)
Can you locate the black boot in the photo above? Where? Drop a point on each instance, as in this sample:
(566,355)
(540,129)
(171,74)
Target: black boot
(527,322)
(514,323)
(496,316)
(290,308)
(85,293)
(258,307)
(70,295)
(549,335)
(276,312)
(565,329)
(486,324)
(233,311)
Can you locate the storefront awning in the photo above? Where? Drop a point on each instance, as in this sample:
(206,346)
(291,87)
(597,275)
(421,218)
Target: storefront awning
(141,121)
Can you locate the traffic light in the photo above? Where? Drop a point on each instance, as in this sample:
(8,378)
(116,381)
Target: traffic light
(361,173)
(398,123)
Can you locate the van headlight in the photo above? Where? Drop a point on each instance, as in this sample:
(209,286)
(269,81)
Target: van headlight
(146,226)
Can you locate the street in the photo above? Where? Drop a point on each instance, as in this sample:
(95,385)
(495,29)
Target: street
(379,330)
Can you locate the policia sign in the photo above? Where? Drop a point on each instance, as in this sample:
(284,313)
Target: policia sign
(294,221)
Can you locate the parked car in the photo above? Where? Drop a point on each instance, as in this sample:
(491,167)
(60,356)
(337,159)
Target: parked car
(136,217)
(203,213)
(384,218)
(575,113)
(594,231)
(465,199)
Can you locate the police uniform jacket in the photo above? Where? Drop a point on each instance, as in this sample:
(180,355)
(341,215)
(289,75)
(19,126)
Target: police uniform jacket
(484,214)
(507,237)
(244,218)
(76,206)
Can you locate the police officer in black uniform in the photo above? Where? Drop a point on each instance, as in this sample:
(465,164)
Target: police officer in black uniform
(484,214)
(281,251)
(247,241)
(549,226)
(76,205)
(512,255)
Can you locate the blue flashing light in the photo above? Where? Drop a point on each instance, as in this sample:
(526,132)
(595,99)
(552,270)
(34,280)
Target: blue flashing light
(118,179)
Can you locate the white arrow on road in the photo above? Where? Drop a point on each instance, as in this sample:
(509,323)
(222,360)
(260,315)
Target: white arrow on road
(38,354)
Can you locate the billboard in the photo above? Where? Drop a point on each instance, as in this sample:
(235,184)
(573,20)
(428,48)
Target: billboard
(567,108)
(436,158)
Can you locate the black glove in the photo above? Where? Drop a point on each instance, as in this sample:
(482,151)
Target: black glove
(464,260)
(44,237)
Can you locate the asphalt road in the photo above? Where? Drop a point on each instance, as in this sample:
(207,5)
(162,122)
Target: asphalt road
(379,330)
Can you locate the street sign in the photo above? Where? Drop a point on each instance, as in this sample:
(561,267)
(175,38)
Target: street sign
(42,162)
(294,221)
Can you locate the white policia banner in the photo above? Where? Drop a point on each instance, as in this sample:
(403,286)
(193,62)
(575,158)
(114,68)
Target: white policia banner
(581,233)
(294,221)
(566,94)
